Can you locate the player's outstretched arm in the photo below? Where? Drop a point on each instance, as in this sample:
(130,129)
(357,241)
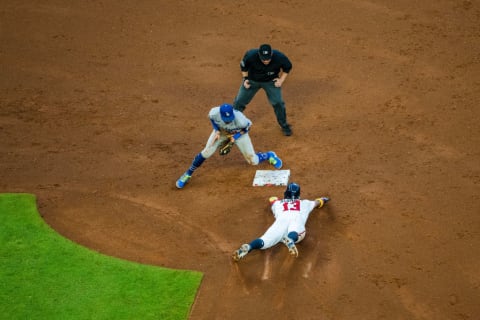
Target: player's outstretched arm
(271,200)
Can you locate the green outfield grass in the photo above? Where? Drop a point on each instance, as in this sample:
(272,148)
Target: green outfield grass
(45,276)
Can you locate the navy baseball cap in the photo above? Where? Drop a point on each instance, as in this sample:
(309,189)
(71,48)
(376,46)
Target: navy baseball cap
(226,112)
(265,52)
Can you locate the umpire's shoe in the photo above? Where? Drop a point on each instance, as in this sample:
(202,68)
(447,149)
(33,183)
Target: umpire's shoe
(287,131)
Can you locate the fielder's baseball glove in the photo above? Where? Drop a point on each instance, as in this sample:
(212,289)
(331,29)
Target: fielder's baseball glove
(226,147)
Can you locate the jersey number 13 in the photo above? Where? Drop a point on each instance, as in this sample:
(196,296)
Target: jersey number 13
(291,205)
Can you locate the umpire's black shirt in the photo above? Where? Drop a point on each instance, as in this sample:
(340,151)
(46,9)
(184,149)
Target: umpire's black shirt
(257,71)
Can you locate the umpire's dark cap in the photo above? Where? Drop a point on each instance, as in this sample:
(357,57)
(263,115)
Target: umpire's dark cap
(226,112)
(265,52)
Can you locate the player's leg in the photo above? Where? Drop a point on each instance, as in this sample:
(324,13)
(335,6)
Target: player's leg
(212,144)
(198,160)
(246,248)
(245,146)
(274,96)
(296,229)
(289,240)
(274,233)
(244,96)
(295,233)
(271,237)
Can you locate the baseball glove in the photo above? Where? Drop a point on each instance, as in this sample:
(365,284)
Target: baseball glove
(226,147)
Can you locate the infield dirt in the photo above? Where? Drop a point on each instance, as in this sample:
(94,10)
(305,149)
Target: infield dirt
(103,105)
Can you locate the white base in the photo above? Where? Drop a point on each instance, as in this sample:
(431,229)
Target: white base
(271,178)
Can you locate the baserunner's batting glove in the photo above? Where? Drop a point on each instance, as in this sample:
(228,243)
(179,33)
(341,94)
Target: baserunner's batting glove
(322,201)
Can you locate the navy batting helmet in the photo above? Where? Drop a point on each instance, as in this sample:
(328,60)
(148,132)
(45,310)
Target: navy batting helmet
(292,192)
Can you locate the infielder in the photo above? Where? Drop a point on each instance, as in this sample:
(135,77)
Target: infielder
(266,69)
(291,215)
(229,127)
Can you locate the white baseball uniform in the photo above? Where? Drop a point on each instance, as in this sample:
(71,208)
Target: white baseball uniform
(244,143)
(290,215)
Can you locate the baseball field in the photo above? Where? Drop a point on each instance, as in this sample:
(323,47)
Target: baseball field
(103,105)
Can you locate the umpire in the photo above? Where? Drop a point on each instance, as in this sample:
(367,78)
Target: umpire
(266,69)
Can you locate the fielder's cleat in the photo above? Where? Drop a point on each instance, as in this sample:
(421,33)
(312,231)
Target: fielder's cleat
(242,252)
(183,180)
(292,248)
(287,131)
(274,160)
